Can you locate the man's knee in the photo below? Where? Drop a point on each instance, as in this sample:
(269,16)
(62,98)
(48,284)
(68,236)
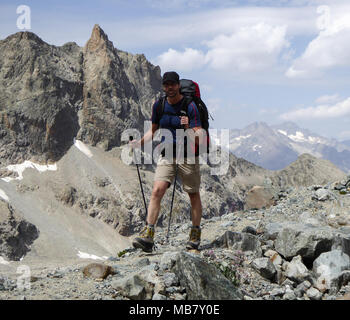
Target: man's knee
(194,195)
(159,190)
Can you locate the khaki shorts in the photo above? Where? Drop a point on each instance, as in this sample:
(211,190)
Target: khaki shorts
(189,174)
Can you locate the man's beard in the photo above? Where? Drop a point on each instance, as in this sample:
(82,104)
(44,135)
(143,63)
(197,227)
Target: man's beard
(171,93)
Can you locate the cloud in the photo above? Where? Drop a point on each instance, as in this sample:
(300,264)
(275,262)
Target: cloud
(330,49)
(188,60)
(177,4)
(191,28)
(249,49)
(327,99)
(337,110)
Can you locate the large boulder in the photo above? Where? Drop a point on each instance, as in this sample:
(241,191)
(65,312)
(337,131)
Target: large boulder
(259,197)
(16,234)
(265,267)
(297,271)
(239,241)
(202,280)
(140,285)
(328,269)
(308,241)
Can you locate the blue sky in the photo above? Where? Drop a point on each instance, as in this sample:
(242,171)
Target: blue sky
(270,61)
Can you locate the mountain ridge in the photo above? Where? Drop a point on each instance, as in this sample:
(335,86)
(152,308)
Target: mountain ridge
(275,147)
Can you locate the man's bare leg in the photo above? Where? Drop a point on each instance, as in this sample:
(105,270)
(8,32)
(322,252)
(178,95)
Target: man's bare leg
(159,188)
(196,205)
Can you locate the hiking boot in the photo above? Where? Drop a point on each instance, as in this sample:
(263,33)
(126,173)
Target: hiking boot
(145,240)
(195,239)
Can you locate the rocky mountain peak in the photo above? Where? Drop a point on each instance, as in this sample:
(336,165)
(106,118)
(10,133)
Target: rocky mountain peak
(24,36)
(98,39)
(44,87)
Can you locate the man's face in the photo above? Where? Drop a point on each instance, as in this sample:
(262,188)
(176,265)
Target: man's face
(171,88)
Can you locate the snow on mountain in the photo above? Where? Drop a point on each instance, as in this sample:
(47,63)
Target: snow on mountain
(275,147)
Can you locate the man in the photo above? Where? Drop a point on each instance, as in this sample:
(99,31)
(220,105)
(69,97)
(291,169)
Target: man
(189,173)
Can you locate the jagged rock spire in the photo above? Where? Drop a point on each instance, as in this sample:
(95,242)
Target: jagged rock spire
(98,39)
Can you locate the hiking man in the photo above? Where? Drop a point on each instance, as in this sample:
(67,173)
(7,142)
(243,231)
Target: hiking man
(172,119)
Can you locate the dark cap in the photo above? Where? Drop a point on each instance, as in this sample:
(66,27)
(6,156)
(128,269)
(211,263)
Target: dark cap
(171,76)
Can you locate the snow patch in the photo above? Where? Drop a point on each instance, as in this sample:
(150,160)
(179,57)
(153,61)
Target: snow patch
(3,261)
(83,148)
(243,137)
(315,140)
(282,132)
(19,168)
(4,196)
(84,255)
(298,137)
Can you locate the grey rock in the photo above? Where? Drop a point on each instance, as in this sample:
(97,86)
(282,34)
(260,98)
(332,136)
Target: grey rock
(297,271)
(342,279)
(133,287)
(265,267)
(202,280)
(288,283)
(314,294)
(341,241)
(301,288)
(307,241)
(6,284)
(170,279)
(16,234)
(277,292)
(250,230)
(271,230)
(143,262)
(172,289)
(274,257)
(328,268)
(323,195)
(168,260)
(259,197)
(239,241)
(227,224)
(158,296)
(289,296)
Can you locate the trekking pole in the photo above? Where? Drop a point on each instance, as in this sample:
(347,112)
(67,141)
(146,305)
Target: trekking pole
(183,113)
(138,173)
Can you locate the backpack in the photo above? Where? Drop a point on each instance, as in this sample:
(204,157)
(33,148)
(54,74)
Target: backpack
(190,90)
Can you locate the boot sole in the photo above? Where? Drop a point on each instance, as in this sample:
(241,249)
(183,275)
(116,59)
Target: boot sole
(138,245)
(190,246)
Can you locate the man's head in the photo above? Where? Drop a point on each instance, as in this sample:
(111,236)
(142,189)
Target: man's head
(171,83)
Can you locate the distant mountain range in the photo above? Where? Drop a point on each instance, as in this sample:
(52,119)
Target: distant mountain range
(275,147)
(346,142)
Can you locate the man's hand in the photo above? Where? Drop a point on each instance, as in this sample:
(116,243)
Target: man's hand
(184,122)
(134,144)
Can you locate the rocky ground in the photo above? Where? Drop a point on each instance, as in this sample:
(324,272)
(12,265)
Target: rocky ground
(297,249)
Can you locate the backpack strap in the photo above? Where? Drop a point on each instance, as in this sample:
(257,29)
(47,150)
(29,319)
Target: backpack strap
(184,106)
(161,106)
(185,103)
